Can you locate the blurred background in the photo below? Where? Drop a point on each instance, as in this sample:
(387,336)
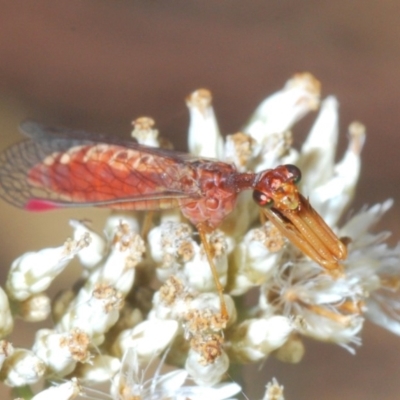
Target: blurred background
(98,64)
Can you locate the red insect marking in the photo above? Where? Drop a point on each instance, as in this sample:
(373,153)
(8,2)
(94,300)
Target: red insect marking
(63,168)
(40,205)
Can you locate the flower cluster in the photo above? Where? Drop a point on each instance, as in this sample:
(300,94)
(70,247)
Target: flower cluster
(147,295)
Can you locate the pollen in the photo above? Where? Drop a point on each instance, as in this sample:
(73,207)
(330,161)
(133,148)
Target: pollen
(200,99)
(243,146)
(112,298)
(270,236)
(78,344)
(209,348)
(186,250)
(172,289)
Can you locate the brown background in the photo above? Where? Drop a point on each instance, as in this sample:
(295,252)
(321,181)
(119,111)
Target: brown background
(98,64)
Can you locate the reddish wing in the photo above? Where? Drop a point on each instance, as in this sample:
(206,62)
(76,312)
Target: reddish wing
(64,168)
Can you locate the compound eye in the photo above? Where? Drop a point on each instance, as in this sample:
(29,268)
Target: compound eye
(295,172)
(262,199)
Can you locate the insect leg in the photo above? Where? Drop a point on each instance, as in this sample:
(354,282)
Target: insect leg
(202,232)
(147,222)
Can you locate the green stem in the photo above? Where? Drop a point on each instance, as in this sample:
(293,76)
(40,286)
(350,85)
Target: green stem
(24,392)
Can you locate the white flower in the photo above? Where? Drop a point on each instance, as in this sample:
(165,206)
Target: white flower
(35,308)
(62,351)
(273,391)
(6,320)
(203,373)
(374,267)
(254,339)
(22,367)
(33,273)
(153,298)
(101,368)
(132,382)
(255,257)
(331,186)
(145,338)
(327,308)
(203,122)
(96,307)
(65,391)
(316,300)
(280,111)
(91,255)
(6,350)
(144,132)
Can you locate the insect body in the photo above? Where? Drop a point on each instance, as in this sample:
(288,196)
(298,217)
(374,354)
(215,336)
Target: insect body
(59,168)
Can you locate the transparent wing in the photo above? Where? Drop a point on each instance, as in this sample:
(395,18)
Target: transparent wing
(42,133)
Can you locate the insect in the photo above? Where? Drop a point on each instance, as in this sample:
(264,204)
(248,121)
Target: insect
(57,168)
